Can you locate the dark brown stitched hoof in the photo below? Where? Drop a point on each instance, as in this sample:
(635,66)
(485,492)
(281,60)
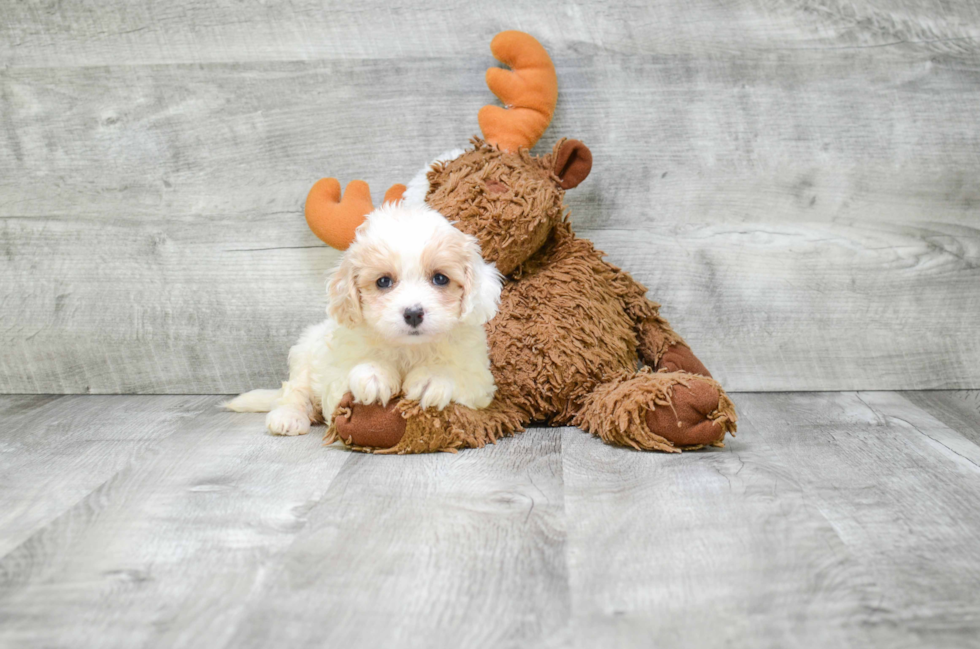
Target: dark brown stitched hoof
(687,423)
(680,357)
(372,426)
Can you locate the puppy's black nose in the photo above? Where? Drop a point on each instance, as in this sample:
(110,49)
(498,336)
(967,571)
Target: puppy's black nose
(414,315)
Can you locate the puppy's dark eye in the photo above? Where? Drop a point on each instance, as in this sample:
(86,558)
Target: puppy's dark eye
(384,282)
(439,279)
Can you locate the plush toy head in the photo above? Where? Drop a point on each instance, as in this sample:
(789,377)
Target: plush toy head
(509,201)
(498,192)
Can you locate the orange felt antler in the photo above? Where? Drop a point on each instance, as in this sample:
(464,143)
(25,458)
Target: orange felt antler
(334,219)
(529,90)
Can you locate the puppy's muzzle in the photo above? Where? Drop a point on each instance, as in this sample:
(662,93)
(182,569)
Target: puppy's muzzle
(414,315)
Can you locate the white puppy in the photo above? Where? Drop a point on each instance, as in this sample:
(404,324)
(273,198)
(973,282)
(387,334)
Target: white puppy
(407,307)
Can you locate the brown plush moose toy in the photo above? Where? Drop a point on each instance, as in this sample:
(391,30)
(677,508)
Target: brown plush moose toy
(572,329)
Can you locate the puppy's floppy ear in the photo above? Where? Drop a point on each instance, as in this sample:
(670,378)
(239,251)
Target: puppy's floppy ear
(481,286)
(345,300)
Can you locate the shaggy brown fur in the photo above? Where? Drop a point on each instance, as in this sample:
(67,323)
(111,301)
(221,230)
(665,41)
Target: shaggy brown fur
(571,331)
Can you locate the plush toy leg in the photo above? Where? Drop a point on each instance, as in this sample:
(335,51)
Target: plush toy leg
(659,411)
(404,427)
(662,349)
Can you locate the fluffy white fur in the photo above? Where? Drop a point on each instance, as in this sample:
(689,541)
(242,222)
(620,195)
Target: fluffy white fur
(368,345)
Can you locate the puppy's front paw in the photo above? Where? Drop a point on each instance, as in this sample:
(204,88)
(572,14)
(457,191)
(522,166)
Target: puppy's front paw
(285,420)
(370,383)
(429,389)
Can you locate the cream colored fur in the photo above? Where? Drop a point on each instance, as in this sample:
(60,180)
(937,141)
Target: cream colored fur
(369,348)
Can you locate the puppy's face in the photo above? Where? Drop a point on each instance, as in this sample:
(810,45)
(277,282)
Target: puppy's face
(412,277)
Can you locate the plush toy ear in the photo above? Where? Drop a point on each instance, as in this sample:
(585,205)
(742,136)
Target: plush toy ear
(572,162)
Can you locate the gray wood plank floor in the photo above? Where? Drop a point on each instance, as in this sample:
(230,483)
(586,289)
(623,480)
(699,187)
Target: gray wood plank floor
(833,519)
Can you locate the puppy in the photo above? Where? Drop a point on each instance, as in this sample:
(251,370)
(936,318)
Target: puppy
(407,307)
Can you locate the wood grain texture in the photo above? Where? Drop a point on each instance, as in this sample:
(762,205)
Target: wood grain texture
(831,306)
(825,305)
(902,492)
(427,551)
(717,549)
(172,543)
(202,308)
(960,410)
(805,168)
(812,135)
(55,451)
(833,519)
(91,33)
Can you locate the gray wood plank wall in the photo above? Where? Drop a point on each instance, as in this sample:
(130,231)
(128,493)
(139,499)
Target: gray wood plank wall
(798,181)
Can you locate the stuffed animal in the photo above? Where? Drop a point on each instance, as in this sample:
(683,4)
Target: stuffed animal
(572,331)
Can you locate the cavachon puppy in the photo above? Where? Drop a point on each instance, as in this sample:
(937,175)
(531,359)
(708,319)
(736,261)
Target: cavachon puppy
(407,307)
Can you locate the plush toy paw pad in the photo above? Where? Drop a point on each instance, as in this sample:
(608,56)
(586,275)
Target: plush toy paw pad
(687,422)
(370,425)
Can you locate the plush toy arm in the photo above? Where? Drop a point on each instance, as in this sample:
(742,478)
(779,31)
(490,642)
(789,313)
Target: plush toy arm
(403,426)
(658,346)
